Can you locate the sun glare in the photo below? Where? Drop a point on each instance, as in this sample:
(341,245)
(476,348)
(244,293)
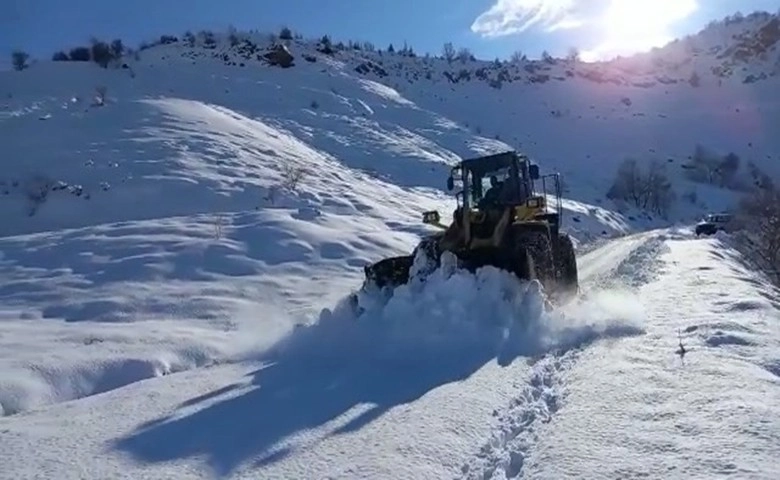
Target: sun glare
(636,25)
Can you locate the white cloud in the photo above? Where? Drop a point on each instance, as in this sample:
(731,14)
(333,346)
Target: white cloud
(507,17)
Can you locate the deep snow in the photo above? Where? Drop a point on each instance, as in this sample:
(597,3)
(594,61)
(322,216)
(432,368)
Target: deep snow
(177,306)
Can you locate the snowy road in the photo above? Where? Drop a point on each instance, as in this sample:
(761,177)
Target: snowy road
(599,262)
(635,409)
(622,262)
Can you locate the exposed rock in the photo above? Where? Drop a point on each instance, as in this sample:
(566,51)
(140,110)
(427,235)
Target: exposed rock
(279,56)
(371,67)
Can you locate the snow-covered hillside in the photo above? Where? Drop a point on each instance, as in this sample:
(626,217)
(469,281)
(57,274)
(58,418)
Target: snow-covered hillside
(167,222)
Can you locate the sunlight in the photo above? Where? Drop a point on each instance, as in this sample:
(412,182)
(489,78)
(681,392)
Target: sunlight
(630,26)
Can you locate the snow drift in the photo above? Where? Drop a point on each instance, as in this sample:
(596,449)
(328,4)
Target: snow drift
(452,312)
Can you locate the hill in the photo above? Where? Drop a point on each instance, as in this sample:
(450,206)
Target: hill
(181,230)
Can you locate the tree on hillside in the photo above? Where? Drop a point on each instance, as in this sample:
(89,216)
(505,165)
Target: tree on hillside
(464,55)
(101,53)
(448,51)
(80,54)
(728,169)
(117,48)
(19,59)
(189,38)
(285,34)
(518,57)
(649,190)
(758,219)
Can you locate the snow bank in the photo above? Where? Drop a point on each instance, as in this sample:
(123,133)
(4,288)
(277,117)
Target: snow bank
(85,358)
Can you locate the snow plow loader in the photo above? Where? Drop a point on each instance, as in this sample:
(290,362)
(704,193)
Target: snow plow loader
(502,219)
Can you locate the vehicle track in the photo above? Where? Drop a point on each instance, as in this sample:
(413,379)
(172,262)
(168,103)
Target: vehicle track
(630,262)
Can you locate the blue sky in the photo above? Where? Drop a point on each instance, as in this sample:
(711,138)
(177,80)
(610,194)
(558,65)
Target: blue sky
(490,28)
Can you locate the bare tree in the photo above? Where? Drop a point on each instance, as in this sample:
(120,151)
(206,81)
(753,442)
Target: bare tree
(19,59)
(728,169)
(758,222)
(628,183)
(650,190)
(292,176)
(658,193)
(449,52)
(518,57)
(464,55)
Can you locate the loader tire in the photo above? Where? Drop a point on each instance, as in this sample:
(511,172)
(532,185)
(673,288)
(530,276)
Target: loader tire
(522,264)
(567,277)
(536,242)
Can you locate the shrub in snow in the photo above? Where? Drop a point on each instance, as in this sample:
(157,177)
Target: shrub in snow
(292,176)
(100,98)
(80,54)
(101,53)
(465,55)
(117,48)
(325,46)
(189,39)
(19,60)
(285,34)
(60,57)
(208,39)
(167,39)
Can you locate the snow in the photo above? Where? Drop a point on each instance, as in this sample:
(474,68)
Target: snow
(177,304)
(401,384)
(634,408)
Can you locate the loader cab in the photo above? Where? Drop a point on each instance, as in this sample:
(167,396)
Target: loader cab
(495,181)
(490,184)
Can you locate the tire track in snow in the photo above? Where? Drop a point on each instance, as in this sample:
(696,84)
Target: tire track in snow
(503,455)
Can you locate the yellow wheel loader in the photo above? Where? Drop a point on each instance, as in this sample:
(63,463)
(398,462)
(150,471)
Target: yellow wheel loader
(503,218)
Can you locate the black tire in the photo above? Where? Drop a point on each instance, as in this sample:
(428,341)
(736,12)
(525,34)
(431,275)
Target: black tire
(567,283)
(522,264)
(535,241)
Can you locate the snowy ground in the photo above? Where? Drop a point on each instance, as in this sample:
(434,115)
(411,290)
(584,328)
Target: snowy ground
(147,301)
(407,394)
(635,409)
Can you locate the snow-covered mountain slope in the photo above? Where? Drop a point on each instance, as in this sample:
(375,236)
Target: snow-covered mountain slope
(205,202)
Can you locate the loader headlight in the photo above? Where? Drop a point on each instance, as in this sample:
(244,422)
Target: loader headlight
(534,202)
(431,217)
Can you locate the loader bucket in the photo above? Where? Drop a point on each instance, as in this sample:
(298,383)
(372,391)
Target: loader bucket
(389,272)
(394,271)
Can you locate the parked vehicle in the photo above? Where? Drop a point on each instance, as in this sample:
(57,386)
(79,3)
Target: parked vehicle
(714,222)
